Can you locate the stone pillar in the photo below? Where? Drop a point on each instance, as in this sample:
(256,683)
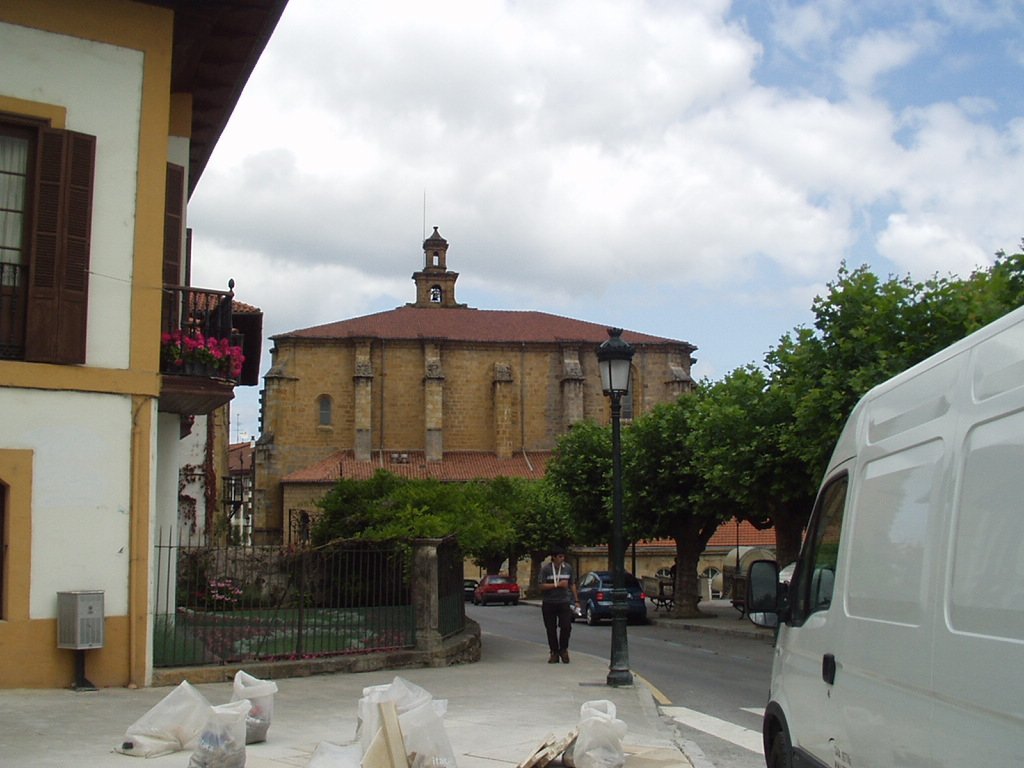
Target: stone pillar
(572,388)
(362,393)
(433,402)
(425,600)
(679,381)
(503,410)
(268,509)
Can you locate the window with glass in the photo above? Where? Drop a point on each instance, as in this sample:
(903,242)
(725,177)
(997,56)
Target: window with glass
(16,149)
(325,410)
(814,579)
(46,183)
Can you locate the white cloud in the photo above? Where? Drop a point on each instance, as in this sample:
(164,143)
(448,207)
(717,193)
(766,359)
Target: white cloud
(923,246)
(567,149)
(808,26)
(877,54)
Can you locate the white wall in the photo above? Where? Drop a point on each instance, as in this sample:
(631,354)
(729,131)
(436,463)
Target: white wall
(81,489)
(64,71)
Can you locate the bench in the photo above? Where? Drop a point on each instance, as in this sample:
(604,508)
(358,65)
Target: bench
(739,594)
(660,592)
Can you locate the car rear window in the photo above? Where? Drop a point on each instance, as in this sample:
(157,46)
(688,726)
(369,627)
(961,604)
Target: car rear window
(629,582)
(499,580)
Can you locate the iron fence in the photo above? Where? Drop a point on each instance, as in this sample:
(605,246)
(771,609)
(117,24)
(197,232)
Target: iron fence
(218,604)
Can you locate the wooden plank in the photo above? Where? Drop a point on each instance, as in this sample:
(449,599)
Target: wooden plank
(387,749)
(393,735)
(550,749)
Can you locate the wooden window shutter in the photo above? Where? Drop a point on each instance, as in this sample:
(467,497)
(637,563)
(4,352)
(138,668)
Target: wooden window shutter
(58,288)
(174,216)
(174,220)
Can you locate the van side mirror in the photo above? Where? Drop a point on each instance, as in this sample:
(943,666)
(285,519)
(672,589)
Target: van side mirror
(763,598)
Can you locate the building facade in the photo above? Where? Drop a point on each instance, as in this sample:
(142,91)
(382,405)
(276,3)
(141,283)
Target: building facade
(435,389)
(109,111)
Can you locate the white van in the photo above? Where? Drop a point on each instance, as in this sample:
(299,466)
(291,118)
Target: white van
(901,637)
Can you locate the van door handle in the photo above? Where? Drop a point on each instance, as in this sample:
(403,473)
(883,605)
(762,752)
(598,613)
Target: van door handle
(828,668)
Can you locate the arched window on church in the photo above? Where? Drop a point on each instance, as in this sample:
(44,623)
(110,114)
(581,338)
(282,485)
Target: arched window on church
(435,294)
(324,406)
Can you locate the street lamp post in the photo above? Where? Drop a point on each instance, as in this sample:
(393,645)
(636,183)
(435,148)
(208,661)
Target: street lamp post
(614,357)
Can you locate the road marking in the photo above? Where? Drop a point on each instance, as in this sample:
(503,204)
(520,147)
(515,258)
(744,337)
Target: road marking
(659,697)
(722,729)
(759,711)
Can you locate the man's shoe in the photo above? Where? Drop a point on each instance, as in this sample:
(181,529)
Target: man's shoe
(553,658)
(565,657)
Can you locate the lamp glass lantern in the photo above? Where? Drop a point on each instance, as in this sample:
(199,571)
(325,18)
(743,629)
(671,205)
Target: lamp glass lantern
(614,357)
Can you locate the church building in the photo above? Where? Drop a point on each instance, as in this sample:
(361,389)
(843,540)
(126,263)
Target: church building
(434,389)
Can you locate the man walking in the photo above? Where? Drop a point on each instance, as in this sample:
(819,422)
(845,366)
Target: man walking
(558,592)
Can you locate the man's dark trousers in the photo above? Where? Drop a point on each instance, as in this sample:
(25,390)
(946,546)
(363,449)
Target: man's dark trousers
(558,623)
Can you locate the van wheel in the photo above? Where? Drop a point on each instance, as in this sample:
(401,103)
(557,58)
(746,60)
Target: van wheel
(780,754)
(592,620)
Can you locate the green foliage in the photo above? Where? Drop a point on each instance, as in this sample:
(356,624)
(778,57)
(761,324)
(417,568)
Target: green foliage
(659,470)
(542,520)
(867,330)
(581,471)
(482,514)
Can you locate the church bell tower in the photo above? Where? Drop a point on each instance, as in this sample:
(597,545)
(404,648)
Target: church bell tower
(435,284)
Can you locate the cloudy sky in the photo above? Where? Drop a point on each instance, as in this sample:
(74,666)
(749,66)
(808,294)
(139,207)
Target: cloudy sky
(694,169)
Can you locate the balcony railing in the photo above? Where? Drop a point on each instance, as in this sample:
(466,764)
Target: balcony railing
(12,311)
(198,337)
(200,350)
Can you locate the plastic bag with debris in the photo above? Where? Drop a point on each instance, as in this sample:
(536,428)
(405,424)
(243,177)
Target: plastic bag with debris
(171,725)
(261,694)
(406,696)
(222,741)
(599,743)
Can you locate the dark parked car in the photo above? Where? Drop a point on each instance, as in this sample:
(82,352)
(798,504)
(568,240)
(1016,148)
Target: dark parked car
(468,588)
(496,589)
(596,597)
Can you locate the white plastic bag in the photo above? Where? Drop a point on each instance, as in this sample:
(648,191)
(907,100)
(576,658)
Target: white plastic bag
(222,741)
(426,741)
(599,743)
(407,697)
(261,694)
(327,755)
(171,725)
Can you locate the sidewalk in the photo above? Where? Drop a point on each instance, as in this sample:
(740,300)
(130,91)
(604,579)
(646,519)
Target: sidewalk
(720,617)
(499,711)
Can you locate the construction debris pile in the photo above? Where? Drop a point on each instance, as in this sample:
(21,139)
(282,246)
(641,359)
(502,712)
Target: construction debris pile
(399,725)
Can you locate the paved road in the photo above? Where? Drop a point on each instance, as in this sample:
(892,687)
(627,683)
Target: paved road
(714,685)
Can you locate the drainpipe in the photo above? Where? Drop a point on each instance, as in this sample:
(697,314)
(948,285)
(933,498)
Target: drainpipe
(522,403)
(383,402)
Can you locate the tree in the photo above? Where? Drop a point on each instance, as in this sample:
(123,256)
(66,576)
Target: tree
(663,485)
(542,521)
(581,471)
(389,507)
(735,441)
(866,330)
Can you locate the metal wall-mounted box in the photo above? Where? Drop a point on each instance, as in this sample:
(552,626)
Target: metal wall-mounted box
(80,619)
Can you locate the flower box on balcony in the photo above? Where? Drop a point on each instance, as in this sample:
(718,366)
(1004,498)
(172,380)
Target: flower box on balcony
(192,354)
